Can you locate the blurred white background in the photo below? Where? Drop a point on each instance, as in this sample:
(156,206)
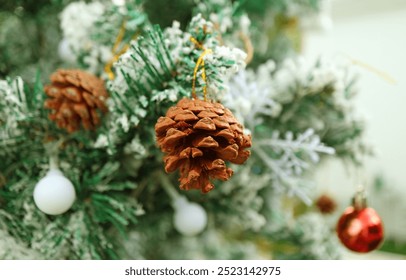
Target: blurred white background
(373,32)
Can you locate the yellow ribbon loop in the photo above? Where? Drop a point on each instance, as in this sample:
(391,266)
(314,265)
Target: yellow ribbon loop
(248,47)
(372,69)
(117,53)
(197,43)
(200,63)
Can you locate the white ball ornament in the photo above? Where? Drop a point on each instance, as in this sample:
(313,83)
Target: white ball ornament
(54,194)
(190,218)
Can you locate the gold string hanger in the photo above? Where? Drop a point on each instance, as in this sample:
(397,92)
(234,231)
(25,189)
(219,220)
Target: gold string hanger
(385,76)
(245,38)
(117,53)
(200,62)
(249,48)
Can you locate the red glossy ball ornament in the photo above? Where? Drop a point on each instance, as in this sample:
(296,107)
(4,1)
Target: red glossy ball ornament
(360,228)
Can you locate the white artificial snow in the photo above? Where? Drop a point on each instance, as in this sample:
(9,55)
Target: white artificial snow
(76,22)
(249,100)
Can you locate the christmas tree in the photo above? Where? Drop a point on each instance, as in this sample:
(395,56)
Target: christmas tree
(155,130)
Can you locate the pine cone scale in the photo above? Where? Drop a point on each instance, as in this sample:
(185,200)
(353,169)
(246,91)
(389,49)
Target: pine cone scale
(163,124)
(72,80)
(72,94)
(229,153)
(197,109)
(226,134)
(221,122)
(205,142)
(186,116)
(207,114)
(89,100)
(172,137)
(205,124)
(51,91)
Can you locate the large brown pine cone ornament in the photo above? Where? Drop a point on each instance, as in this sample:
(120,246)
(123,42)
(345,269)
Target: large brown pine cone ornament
(76,98)
(198,137)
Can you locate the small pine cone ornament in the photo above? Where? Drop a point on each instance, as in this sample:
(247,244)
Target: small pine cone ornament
(198,137)
(326,204)
(76,98)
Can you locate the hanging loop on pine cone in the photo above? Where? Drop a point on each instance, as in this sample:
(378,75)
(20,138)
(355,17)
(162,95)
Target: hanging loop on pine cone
(249,48)
(200,62)
(116,54)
